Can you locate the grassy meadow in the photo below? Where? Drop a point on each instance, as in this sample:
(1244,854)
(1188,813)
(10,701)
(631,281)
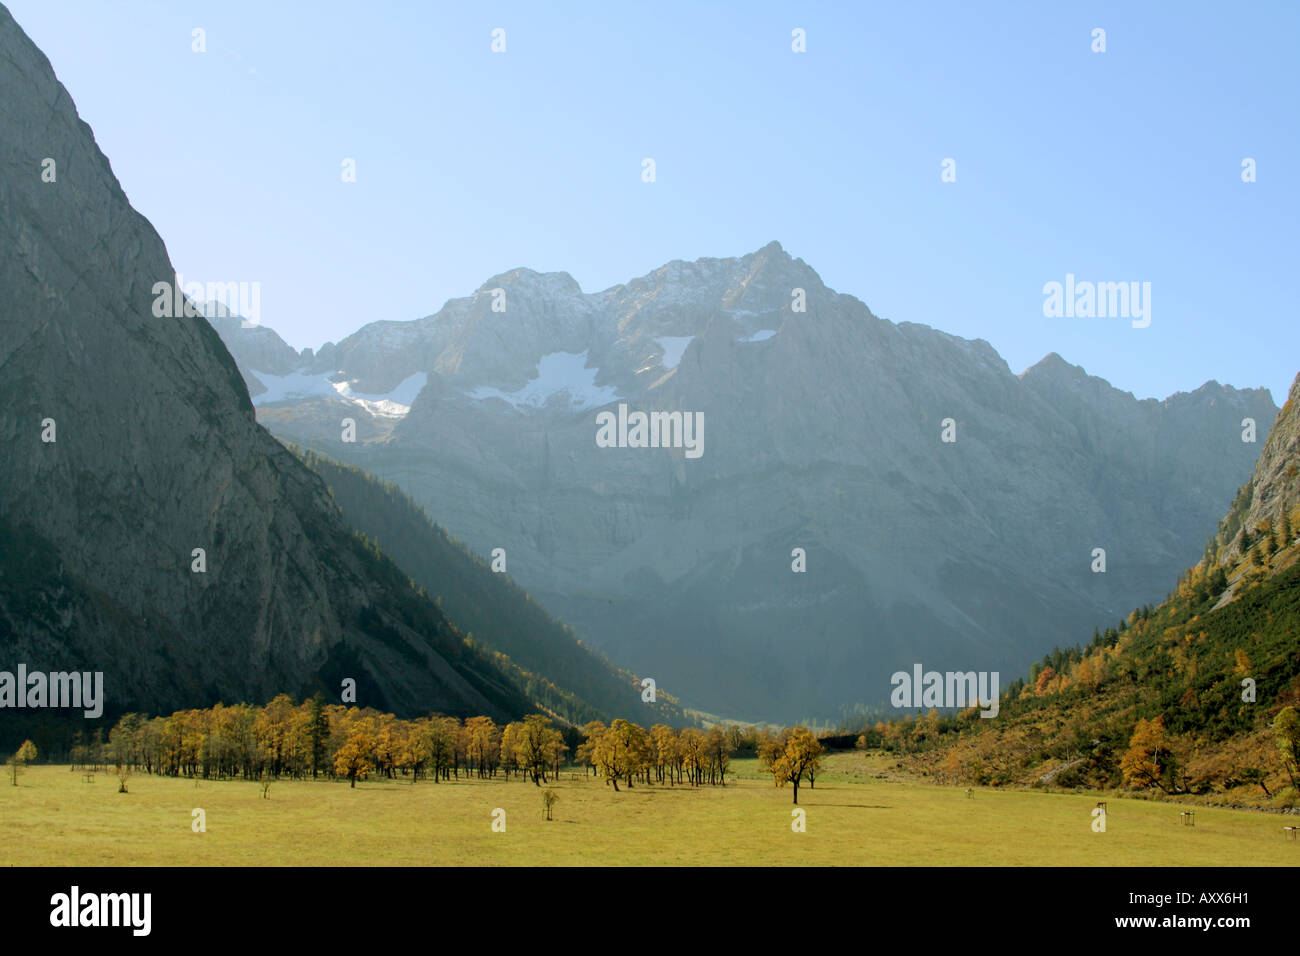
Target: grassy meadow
(855,817)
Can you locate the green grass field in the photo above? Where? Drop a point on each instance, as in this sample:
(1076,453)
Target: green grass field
(853,819)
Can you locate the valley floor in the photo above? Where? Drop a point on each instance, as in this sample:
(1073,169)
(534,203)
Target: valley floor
(854,818)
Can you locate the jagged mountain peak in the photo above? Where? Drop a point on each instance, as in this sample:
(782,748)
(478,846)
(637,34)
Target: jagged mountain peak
(1053,364)
(761,281)
(531,282)
(1213,391)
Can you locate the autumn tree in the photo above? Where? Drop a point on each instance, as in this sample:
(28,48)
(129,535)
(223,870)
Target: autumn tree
(441,741)
(483,745)
(459,758)
(1045,677)
(21,758)
(415,750)
(510,747)
(790,755)
(271,728)
(355,758)
(621,751)
(537,747)
(693,743)
(665,749)
(1149,762)
(389,742)
(1286,734)
(556,748)
(719,748)
(585,754)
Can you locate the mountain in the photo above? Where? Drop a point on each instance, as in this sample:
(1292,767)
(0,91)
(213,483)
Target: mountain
(1214,665)
(543,655)
(823,430)
(258,347)
(155,453)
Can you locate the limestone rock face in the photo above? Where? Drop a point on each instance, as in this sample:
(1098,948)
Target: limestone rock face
(1275,484)
(157,453)
(823,431)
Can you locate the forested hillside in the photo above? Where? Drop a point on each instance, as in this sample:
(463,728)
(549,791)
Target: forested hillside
(1198,695)
(544,656)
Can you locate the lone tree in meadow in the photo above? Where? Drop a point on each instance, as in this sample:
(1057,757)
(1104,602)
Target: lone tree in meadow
(25,755)
(549,799)
(792,755)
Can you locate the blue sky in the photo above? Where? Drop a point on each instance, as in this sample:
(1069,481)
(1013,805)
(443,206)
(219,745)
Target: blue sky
(1115,166)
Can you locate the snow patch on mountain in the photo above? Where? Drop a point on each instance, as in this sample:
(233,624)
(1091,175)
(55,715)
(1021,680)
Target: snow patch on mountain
(403,393)
(300,385)
(762,335)
(557,373)
(294,385)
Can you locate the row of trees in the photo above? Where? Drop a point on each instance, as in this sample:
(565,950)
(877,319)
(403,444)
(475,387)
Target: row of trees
(626,751)
(287,739)
(312,738)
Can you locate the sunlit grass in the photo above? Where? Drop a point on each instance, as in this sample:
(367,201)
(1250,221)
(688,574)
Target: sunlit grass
(853,819)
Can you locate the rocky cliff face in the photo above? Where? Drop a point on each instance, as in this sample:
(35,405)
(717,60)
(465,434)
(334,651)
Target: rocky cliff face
(823,431)
(156,453)
(1274,488)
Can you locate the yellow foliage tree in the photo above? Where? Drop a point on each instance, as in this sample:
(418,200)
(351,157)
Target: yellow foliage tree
(621,751)
(21,758)
(1045,677)
(1148,760)
(353,758)
(791,755)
